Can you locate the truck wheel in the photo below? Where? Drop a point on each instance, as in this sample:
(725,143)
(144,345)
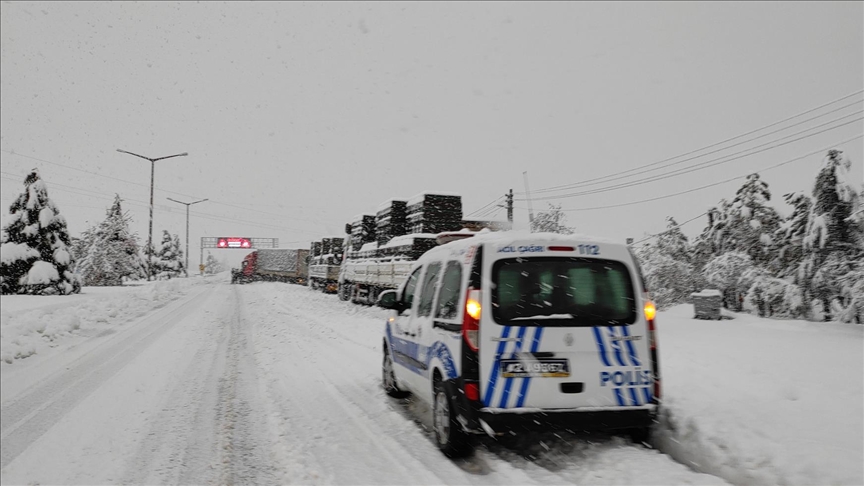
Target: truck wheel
(344,292)
(449,435)
(388,378)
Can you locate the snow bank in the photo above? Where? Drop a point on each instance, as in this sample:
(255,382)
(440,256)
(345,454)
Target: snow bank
(33,324)
(759,401)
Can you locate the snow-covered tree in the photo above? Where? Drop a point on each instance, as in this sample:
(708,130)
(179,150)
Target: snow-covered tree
(35,255)
(775,297)
(669,281)
(834,239)
(111,253)
(212,266)
(666,266)
(789,238)
(551,221)
(724,273)
(169,258)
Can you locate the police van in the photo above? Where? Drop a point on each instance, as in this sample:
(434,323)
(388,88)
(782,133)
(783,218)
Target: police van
(507,332)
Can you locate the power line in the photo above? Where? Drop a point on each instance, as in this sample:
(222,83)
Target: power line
(638,170)
(723,141)
(702,165)
(486,206)
(719,182)
(677,225)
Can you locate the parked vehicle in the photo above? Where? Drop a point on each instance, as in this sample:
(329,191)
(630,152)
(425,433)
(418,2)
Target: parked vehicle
(508,332)
(372,270)
(273,264)
(324,262)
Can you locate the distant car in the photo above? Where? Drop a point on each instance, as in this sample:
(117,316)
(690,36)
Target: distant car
(512,332)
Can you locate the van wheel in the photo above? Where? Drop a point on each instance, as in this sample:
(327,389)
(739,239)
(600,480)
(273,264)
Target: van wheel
(641,435)
(388,378)
(449,435)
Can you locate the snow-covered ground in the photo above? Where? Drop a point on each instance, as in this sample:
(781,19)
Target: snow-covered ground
(198,381)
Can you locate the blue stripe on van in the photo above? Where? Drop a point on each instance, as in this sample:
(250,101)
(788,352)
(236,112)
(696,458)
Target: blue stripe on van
(630,347)
(634,396)
(648,394)
(508,382)
(619,398)
(538,334)
(616,346)
(493,374)
(601,348)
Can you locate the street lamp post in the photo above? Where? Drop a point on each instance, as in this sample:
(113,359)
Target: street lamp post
(187,229)
(152,174)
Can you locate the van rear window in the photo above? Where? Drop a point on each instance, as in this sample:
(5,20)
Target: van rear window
(555,291)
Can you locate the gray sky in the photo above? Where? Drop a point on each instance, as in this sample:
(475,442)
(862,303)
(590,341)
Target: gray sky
(299,116)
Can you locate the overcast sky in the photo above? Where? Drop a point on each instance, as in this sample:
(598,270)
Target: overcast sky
(299,116)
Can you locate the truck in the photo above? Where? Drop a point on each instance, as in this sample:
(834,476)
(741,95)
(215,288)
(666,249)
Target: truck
(366,273)
(273,265)
(324,262)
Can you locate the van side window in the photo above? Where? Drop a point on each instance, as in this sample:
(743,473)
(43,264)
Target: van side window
(449,293)
(427,294)
(410,287)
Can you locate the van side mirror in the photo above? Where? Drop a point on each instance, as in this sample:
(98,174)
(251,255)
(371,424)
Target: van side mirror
(389,299)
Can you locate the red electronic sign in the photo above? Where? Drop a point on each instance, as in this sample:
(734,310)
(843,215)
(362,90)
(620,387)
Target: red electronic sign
(233,242)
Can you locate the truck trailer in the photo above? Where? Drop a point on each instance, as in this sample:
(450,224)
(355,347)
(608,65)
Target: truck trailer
(273,265)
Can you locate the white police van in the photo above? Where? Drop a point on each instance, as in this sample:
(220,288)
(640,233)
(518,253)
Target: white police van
(507,332)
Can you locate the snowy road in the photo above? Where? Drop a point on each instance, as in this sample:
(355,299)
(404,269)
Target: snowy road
(260,384)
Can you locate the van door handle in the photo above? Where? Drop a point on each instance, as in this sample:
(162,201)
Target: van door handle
(447,326)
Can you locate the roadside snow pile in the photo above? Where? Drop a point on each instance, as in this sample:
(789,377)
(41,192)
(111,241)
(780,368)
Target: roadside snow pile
(30,324)
(761,401)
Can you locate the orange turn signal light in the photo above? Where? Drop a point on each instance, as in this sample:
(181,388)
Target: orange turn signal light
(650,310)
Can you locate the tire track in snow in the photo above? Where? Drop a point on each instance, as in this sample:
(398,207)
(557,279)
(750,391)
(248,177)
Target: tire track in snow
(568,458)
(356,413)
(27,417)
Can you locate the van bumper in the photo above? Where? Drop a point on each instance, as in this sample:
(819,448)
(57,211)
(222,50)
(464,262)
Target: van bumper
(573,420)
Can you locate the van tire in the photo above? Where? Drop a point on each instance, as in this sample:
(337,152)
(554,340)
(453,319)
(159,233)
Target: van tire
(449,436)
(388,377)
(640,435)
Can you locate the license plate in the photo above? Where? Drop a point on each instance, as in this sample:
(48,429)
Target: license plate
(524,368)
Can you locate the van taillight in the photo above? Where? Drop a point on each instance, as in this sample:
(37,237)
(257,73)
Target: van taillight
(471,320)
(650,313)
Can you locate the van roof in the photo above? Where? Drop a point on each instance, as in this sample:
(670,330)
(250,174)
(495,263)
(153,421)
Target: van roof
(504,238)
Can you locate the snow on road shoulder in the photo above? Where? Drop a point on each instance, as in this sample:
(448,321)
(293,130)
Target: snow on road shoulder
(760,401)
(33,324)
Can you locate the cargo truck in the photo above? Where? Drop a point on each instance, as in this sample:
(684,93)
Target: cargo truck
(324,262)
(275,265)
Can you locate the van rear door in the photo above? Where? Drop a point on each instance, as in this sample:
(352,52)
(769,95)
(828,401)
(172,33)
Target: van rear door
(561,330)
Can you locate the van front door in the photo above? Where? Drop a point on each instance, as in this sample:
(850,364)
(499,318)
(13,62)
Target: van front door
(421,327)
(401,333)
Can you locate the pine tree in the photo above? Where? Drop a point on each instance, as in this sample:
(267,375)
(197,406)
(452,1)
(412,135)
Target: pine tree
(753,222)
(834,239)
(551,221)
(35,255)
(724,272)
(666,266)
(212,266)
(169,258)
(790,236)
(112,250)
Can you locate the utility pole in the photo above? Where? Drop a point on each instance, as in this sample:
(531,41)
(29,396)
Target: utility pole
(509,198)
(187,229)
(150,234)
